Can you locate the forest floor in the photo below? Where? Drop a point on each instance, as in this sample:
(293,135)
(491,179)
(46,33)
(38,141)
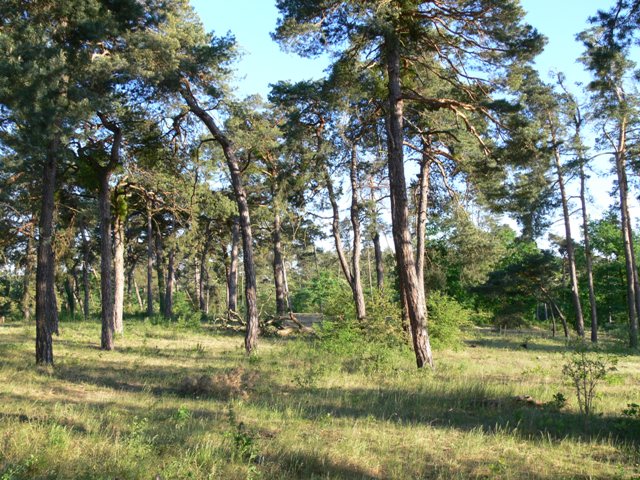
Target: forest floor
(172,402)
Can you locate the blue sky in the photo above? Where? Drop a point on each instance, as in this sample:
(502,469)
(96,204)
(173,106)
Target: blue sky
(263,62)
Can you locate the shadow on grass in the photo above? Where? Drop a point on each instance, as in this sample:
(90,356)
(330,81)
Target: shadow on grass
(538,343)
(505,343)
(466,409)
(23,418)
(304,466)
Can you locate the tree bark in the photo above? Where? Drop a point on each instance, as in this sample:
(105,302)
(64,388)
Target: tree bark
(232,274)
(251,336)
(197,283)
(106,292)
(588,257)
(118,262)
(352,276)
(400,211)
(379,260)
(46,310)
(160,270)
(423,197)
(85,273)
(356,279)
(135,286)
(149,261)
(68,290)
(573,275)
(278,266)
(171,280)
(631,275)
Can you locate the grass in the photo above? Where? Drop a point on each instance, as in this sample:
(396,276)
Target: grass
(295,411)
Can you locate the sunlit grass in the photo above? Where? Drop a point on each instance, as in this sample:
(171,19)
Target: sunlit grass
(303,414)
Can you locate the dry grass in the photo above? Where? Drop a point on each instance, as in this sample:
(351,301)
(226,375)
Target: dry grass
(171,403)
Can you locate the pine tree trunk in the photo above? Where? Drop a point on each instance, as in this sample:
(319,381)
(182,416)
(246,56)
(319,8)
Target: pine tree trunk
(68,291)
(400,210)
(138,297)
(197,284)
(356,280)
(118,262)
(233,164)
(379,261)
(149,262)
(629,255)
(232,275)
(25,301)
(286,286)
(573,274)
(202,278)
(86,287)
(421,226)
(171,280)
(278,267)
(160,270)
(46,311)
(588,257)
(106,292)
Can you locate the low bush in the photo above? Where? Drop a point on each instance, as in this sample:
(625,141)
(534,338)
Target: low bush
(585,369)
(447,319)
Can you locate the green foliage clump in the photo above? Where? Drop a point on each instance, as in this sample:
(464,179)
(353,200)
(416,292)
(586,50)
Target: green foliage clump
(187,317)
(325,293)
(585,370)
(360,347)
(447,318)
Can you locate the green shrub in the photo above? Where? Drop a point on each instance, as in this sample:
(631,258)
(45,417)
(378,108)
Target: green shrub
(384,320)
(326,293)
(447,318)
(585,370)
(187,316)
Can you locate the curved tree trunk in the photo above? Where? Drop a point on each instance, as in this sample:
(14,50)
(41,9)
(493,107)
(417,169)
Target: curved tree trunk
(573,275)
(629,255)
(251,336)
(400,210)
(588,258)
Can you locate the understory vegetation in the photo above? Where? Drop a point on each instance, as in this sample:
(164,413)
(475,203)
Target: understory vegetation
(176,402)
(422,264)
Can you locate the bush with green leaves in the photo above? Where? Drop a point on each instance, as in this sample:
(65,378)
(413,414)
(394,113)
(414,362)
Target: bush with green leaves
(585,369)
(326,293)
(447,319)
(186,314)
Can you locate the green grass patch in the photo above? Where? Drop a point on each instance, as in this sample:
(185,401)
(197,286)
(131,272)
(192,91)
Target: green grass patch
(176,402)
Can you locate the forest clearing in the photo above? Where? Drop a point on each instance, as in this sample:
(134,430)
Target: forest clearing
(305,408)
(410,252)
